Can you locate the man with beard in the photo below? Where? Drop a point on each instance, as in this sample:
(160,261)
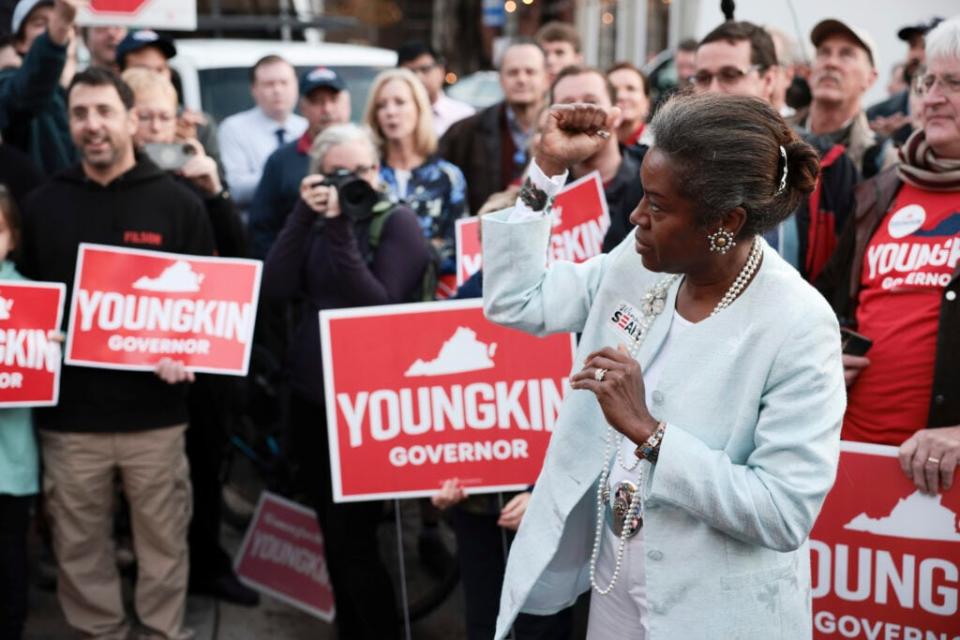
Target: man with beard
(490,147)
(843,71)
(324,100)
(108,422)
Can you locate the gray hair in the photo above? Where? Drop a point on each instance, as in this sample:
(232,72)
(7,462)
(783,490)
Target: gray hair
(727,152)
(944,40)
(336,135)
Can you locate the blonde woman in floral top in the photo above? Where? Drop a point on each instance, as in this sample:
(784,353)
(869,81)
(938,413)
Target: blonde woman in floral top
(398,112)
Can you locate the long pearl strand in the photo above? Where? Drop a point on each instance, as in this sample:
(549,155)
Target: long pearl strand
(653,304)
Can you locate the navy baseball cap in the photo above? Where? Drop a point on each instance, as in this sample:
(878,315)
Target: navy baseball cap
(921,29)
(136,40)
(321,78)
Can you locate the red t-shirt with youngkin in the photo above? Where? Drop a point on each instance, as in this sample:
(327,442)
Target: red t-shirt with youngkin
(908,263)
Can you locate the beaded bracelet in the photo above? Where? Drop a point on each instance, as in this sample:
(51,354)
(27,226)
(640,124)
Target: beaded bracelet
(649,449)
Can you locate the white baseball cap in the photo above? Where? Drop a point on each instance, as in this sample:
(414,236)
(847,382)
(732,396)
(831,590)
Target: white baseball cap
(831,26)
(22,10)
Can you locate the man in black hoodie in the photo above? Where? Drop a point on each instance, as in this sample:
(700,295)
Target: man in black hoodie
(109,422)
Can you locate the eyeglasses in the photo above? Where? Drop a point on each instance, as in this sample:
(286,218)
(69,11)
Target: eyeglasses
(949,84)
(164,118)
(727,76)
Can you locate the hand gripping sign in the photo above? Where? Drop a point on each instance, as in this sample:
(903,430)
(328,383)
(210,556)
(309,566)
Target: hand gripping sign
(420,393)
(29,359)
(132,307)
(885,558)
(178,15)
(580,221)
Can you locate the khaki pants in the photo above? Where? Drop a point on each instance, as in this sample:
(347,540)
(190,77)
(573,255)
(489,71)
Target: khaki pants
(78,483)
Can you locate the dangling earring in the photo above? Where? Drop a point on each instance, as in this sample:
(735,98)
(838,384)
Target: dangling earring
(721,241)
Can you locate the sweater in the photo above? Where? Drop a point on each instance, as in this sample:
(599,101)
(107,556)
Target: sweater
(321,260)
(19,466)
(143,208)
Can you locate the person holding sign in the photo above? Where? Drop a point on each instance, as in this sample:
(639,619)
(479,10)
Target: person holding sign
(895,279)
(19,465)
(344,245)
(690,461)
(114,423)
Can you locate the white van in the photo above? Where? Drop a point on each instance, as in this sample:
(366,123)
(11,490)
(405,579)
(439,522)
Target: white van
(215,74)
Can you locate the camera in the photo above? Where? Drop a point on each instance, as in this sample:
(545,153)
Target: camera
(357,197)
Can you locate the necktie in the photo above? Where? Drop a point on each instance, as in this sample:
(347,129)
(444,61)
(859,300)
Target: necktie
(280,133)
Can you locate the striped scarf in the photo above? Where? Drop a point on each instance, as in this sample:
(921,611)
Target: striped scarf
(921,168)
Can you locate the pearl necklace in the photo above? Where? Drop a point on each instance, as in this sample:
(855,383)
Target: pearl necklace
(654,302)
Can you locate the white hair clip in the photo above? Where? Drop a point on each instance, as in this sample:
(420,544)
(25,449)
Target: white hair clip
(783,176)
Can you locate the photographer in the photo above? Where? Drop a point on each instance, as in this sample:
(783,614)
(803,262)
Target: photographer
(337,250)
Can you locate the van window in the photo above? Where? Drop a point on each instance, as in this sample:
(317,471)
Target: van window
(226,91)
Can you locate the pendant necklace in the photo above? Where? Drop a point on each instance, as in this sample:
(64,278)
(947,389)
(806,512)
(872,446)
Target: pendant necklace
(626,510)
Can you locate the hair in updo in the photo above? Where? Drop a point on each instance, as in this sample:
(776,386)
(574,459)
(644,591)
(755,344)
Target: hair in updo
(726,151)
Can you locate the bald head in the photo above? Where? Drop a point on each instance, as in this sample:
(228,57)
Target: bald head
(523,74)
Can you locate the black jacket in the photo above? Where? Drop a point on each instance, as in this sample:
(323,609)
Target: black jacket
(143,208)
(840,283)
(474,144)
(623,193)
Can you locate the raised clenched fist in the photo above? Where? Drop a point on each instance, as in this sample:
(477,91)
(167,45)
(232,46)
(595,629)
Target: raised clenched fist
(573,133)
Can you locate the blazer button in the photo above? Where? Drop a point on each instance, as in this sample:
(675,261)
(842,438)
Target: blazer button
(950,295)
(657,397)
(939,399)
(655,555)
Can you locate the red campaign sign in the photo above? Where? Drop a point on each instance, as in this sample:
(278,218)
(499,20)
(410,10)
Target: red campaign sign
(469,252)
(580,221)
(153,14)
(420,393)
(117,6)
(29,360)
(132,307)
(283,556)
(885,558)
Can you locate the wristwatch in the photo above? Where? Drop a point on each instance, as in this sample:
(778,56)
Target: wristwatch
(533,196)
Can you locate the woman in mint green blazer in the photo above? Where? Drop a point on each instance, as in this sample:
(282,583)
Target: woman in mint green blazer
(700,437)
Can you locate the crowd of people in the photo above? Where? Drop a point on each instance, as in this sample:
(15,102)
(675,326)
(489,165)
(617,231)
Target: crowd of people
(789,214)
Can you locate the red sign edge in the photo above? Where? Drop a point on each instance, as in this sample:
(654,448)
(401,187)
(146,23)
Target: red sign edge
(93,364)
(265,495)
(458,230)
(330,401)
(62,294)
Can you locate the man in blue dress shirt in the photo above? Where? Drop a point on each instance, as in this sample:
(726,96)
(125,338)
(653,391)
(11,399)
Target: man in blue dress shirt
(249,137)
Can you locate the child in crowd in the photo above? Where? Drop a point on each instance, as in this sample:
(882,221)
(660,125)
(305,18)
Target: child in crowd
(18,465)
